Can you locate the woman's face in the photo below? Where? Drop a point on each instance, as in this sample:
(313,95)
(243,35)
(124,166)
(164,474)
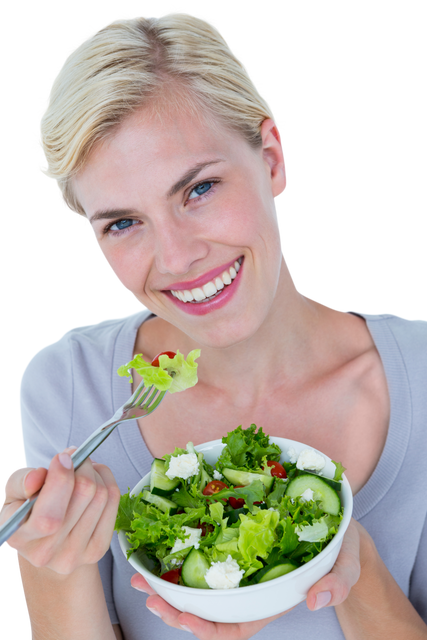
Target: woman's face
(183,210)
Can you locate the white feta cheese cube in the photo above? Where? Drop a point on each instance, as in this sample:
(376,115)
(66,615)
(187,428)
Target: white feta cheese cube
(310,459)
(293,456)
(224,575)
(183,466)
(191,541)
(217,475)
(307,495)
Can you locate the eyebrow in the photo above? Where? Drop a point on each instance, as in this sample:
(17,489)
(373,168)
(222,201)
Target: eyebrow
(111,214)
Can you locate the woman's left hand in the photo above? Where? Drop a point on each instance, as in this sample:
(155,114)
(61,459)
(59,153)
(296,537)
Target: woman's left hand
(330,590)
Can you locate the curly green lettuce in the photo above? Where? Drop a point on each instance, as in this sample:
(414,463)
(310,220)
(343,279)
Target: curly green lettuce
(172,374)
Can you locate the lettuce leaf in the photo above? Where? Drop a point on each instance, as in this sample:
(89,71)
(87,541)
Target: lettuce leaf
(288,540)
(339,470)
(157,531)
(257,534)
(247,450)
(254,492)
(127,507)
(316,532)
(172,374)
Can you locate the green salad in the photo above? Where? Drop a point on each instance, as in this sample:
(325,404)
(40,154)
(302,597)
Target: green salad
(248,520)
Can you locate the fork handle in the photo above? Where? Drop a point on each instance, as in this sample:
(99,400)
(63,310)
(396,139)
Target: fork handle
(11,525)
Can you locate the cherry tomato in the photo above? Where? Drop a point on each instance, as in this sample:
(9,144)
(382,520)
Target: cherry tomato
(172,576)
(155,362)
(236,503)
(276,469)
(214,487)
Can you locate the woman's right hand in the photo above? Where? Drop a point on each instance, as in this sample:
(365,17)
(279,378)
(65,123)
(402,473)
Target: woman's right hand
(72,521)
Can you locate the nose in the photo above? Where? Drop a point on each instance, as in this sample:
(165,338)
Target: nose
(178,247)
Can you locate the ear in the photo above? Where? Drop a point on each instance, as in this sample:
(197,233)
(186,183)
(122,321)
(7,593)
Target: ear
(273,155)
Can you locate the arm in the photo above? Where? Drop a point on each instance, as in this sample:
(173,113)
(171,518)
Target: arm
(118,632)
(377,609)
(65,607)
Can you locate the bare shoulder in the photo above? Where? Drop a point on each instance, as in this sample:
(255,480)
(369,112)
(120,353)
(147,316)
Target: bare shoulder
(118,632)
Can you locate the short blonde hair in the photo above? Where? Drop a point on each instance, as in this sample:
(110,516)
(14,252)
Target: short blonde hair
(127,65)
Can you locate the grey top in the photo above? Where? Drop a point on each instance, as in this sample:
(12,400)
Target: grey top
(75,380)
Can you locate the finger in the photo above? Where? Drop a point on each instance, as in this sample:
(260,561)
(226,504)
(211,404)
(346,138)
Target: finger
(34,480)
(23,483)
(138,582)
(84,490)
(49,510)
(334,588)
(91,536)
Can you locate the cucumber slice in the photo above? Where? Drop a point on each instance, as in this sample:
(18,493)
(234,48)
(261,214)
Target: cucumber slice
(330,501)
(194,568)
(276,570)
(160,484)
(332,483)
(246,477)
(162,503)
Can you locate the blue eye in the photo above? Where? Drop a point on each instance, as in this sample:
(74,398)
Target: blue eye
(200,189)
(122,224)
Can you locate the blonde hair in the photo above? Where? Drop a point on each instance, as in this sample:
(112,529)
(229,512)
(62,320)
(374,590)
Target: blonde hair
(130,64)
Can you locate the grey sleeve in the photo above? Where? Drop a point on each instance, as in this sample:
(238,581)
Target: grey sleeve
(47,404)
(47,414)
(418,583)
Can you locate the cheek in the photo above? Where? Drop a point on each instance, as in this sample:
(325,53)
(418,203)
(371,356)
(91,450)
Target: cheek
(130,265)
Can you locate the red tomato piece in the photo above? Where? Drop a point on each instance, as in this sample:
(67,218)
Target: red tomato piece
(206,528)
(172,576)
(236,503)
(155,362)
(214,487)
(276,469)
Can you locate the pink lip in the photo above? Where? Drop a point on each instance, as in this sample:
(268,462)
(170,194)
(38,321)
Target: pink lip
(210,275)
(219,301)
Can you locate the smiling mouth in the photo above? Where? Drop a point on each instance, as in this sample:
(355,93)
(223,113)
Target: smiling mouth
(211,289)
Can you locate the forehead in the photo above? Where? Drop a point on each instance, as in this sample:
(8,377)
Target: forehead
(148,152)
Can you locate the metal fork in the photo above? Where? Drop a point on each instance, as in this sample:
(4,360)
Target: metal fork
(140,404)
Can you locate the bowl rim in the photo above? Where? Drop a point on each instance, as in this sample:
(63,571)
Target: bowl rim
(337,539)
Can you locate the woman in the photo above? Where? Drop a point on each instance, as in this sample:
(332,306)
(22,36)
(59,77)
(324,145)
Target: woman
(155,134)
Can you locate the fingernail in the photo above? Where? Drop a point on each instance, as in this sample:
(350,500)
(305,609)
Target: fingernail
(26,476)
(156,613)
(184,628)
(65,460)
(323,598)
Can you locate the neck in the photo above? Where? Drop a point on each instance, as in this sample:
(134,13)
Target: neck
(298,340)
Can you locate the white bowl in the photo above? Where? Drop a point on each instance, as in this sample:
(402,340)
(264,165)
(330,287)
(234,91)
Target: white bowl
(260,600)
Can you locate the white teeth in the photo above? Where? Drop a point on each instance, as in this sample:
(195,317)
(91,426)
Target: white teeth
(198,294)
(219,284)
(226,277)
(210,288)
